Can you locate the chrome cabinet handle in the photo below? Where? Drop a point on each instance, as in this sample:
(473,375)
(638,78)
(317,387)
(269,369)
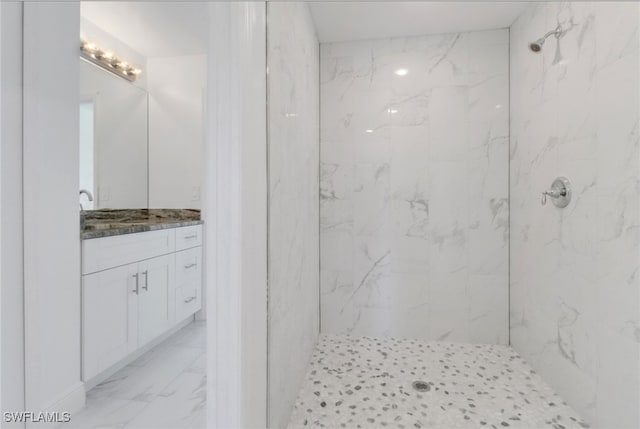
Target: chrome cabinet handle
(137,289)
(189,237)
(188,300)
(194,264)
(145,273)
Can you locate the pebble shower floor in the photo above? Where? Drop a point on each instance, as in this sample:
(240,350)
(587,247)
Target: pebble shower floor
(362,382)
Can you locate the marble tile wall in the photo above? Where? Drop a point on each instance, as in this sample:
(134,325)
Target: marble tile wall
(293,202)
(575,283)
(414,187)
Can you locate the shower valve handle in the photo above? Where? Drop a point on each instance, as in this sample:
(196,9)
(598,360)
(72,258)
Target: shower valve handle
(560,192)
(553,193)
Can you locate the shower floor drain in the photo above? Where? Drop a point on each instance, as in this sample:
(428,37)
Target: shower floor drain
(421,386)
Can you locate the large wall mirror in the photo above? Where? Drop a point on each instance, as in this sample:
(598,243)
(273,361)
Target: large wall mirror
(141,137)
(113,140)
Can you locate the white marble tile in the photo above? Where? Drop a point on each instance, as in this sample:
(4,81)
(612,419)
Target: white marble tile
(293,119)
(575,292)
(143,383)
(193,335)
(176,405)
(199,420)
(488,309)
(167,384)
(103,414)
(414,193)
(199,366)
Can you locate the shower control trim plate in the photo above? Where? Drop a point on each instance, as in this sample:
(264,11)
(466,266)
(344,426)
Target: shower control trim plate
(560,193)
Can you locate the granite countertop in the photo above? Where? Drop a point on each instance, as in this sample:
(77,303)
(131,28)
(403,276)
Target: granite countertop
(108,222)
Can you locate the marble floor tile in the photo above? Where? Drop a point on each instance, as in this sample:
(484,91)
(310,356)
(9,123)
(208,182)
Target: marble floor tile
(143,383)
(191,337)
(114,413)
(200,420)
(363,382)
(176,406)
(164,388)
(199,366)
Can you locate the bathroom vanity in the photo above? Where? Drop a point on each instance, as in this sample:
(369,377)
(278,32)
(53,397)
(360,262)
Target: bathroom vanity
(141,279)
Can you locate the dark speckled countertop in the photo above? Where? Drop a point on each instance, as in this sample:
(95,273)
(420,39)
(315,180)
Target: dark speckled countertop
(108,222)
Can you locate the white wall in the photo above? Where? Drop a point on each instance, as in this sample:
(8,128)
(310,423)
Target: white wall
(235,213)
(12,331)
(293,202)
(51,219)
(177,88)
(414,187)
(575,288)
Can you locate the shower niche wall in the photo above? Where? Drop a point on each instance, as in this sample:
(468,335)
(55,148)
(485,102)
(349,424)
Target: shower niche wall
(414,187)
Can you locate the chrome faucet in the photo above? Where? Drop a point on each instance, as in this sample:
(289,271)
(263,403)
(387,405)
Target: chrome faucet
(88,194)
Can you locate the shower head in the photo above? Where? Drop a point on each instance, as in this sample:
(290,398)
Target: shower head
(537,45)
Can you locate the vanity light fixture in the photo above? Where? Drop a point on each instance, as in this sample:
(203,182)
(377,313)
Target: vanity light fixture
(108,61)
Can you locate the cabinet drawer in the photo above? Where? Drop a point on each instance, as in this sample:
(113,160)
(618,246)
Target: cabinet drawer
(189,266)
(188,236)
(188,301)
(103,253)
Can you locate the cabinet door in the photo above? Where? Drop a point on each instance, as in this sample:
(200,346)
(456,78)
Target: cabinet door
(110,318)
(156,277)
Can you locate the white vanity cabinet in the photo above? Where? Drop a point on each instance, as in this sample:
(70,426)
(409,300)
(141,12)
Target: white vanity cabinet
(109,318)
(188,275)
(154,290)
(135,288)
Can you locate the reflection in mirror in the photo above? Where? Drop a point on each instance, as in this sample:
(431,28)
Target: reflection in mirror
(142,140)
(87,155)
(113,140)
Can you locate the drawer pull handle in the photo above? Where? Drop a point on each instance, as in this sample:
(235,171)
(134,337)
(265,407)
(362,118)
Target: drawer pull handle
(145,273)
(137,289)
(188,300)
(194,264)
(189,237)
